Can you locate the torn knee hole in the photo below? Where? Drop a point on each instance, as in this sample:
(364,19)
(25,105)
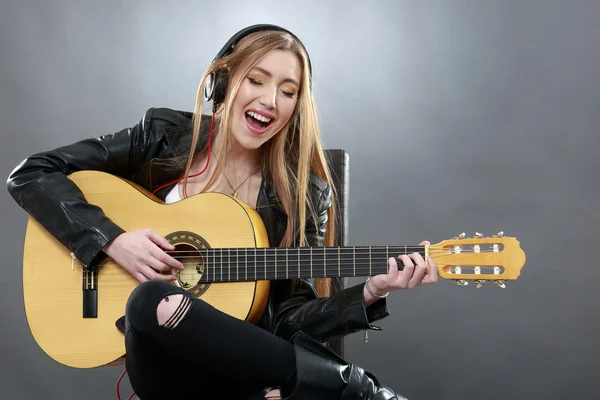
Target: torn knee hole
(172,309)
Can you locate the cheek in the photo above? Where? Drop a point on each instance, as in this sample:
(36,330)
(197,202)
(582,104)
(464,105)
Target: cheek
(286,111)
(242,98)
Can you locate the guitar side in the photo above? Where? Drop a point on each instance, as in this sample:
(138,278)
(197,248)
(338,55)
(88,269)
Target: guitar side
(53,280)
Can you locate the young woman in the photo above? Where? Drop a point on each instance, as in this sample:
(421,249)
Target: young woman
(262,145)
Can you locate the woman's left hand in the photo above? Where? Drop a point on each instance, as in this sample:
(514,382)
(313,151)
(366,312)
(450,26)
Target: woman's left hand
(413,274)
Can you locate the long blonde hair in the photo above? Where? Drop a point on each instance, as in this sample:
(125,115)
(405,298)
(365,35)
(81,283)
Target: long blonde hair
(291,155)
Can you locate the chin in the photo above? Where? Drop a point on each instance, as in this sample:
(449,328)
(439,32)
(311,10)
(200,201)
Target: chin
(250,140)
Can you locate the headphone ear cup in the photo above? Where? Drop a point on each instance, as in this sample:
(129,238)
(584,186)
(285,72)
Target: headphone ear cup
(220,86)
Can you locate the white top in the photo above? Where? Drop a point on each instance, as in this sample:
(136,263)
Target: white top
(173,195)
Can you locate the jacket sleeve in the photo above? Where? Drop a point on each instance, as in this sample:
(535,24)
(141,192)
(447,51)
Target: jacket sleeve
(39,184)
(324,319)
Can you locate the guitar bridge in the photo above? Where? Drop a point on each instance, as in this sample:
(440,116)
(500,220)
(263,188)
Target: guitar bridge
(90,293)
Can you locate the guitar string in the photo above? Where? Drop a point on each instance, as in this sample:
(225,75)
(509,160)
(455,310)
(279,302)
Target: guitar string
(260,268)
(359,270)
(319,257)
(272,251)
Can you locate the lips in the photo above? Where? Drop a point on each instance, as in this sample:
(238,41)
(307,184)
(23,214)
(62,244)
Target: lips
(258,122)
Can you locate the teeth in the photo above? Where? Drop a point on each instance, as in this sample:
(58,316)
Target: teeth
(259,117)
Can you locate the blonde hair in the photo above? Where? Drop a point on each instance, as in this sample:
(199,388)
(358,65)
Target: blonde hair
(291,155)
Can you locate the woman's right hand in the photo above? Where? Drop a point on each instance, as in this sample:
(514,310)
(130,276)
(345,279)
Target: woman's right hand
(141,254)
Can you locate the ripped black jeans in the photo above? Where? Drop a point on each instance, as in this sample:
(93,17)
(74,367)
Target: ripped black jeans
(191,350)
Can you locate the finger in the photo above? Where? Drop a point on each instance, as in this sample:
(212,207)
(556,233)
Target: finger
(433,274)
(420,269)
(407,271)
(159,240)
(165,259)
(153,275)
(156,264)
(140,277)
(424,243)
(393,270)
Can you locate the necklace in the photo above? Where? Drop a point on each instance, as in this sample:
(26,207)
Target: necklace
(235,190)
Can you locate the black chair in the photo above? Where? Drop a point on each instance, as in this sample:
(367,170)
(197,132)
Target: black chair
(338,161)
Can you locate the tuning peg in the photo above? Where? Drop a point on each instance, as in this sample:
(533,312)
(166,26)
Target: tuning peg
(461,282)
(479,283)
(500,283)
(461,236)
(499,234)
(478,235)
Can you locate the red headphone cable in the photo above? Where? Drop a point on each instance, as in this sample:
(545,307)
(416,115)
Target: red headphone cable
(212,124)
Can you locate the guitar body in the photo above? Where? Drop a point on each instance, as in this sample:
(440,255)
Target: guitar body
(53,280)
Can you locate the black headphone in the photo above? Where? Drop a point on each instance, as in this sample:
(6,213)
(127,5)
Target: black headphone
(215,88)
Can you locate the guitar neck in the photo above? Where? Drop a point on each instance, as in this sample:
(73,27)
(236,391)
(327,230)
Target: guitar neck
(251,264)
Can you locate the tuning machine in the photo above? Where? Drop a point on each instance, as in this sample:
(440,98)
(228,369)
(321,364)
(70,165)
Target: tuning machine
(499,234)
(478,235)
(461,282)
(461,236)
(479,282)
(500,283)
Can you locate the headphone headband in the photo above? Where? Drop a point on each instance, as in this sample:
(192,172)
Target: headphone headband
(228,47)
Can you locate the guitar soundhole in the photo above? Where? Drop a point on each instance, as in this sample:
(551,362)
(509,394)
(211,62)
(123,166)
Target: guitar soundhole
(193,264)
(188,250)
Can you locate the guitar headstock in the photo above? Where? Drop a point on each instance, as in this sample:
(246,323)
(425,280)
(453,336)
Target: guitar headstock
(479,259)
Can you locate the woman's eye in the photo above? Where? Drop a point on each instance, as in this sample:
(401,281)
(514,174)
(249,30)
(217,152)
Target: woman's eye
(258,82)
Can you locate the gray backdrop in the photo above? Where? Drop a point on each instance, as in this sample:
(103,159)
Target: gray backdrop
(458,116)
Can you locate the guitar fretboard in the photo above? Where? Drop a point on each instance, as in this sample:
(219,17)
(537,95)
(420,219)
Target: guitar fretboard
(251,264)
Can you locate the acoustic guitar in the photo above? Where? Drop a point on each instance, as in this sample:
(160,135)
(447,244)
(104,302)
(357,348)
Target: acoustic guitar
(222,242)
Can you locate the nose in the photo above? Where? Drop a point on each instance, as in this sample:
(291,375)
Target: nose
(268,98)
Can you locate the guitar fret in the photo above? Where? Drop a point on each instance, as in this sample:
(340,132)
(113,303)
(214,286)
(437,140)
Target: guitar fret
(370,263)
(275,251)
(354,259)
(311,259)
(286,264)
(339,261)
(324,262)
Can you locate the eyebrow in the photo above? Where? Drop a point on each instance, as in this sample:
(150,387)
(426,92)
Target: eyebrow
(264,71)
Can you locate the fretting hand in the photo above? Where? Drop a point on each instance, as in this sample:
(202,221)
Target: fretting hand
(413,274)
(141,254)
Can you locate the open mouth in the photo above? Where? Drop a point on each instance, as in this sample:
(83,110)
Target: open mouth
(258,122)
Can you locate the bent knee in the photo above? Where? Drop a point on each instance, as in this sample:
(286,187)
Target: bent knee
(145,300)
(172,310)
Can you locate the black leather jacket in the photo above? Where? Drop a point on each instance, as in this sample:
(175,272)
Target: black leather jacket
(145,155)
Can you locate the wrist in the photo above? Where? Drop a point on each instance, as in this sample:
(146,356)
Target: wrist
(108,248)
(371,294)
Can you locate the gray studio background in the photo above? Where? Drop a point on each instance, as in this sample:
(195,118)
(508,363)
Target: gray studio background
(474,116)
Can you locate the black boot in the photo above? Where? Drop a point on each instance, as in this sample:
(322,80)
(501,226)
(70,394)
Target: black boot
(322,374)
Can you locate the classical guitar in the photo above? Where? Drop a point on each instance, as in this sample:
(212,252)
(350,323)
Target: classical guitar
(222,241)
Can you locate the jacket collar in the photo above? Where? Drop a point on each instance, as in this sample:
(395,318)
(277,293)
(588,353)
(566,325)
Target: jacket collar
(178,139)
